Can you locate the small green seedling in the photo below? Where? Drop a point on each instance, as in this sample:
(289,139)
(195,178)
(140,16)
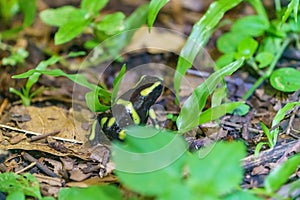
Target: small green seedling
(17,187)
(17,55)
(33,76)
(272,135)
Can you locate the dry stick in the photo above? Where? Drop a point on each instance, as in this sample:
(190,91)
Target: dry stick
(26,168)
(267,155)
(35,133)
(42,167)
(38,137)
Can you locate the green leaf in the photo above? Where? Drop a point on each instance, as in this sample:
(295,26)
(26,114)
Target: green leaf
(293,6)
(28,7)
(228,42)
(258,148)
(92,101)
(69,31)
(200,34)
(111,47)
(244,194)
(241,110)
(91,192)
(152,157)
(246,48)
(117,83)
(285,79)
(280,116)
(26,184)
(264,58)
(112,23)
(252,25)
(216,170)
(218,111)
(93,6)
(268,134)
(16,195)
(154,8)
(225,59)
(189,115)
(281,174)
(62,15)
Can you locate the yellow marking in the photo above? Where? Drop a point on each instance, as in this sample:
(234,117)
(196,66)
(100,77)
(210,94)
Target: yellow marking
(103,121)
(93,131)
(129,107)
(122,135)
(111,122)
(152,114)
(145,92)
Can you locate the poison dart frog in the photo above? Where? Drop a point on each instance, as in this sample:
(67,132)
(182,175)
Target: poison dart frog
(132,108)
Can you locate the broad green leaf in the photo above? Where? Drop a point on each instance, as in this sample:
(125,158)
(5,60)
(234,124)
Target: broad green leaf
(285,79)
(264,58)
(219,95)
(92,101)
(62,15)
(241,110)
(199,36)
(281,174)
(152,157)
(225,59)
(253,25)
(28,7)
(112,23)
(218,111)
(216,170)
(293,6)
(117,83)
(154,8)
(260,9)
(111,47)
(246,48)
(91,192)
(69,31)
(16,195)
(26,184)
(228,42)
(189,115)
(243,194)
(93,6)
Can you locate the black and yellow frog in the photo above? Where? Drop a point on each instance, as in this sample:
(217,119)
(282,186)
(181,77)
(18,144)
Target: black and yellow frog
(132,108)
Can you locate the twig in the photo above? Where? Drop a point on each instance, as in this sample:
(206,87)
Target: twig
(35,133)
(38,137)
(42,167)
(26,168)
(267,155)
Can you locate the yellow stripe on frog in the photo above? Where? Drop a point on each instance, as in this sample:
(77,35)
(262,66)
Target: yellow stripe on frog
(128,105)
(145,92)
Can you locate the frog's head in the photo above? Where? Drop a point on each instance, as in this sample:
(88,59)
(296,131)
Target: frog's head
(146,92)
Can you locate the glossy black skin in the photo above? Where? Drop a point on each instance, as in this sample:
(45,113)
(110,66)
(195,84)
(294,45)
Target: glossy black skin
(140,103)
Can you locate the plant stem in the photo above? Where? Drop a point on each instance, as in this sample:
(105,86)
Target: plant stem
(269,70)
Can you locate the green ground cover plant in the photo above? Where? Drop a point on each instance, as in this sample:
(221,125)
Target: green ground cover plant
(187,175)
